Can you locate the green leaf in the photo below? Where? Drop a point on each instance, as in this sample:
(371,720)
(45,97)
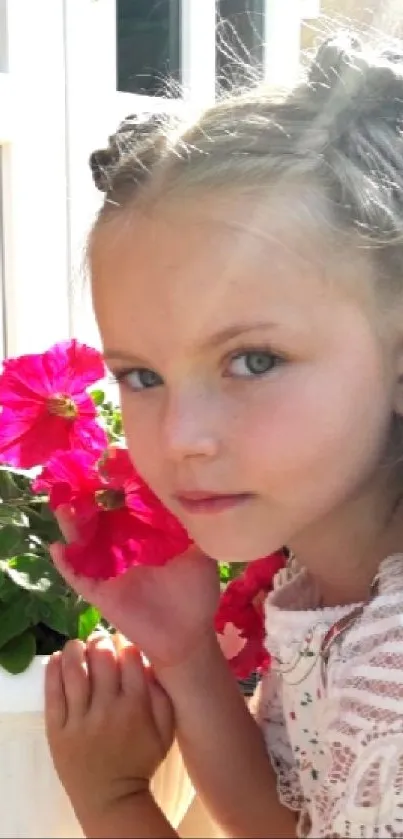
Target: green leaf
(14,618)
(10,515)
(12,540)
(8,590)
(36,574)
(229,571)
(45,529)
(224,571)
(98,396)
(57,615)
(8,486)
(17,654)
(87,622)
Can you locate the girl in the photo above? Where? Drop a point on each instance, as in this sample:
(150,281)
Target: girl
(247,278)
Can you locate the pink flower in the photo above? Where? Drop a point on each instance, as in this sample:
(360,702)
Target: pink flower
(118,520)
(240,615)
(45,407)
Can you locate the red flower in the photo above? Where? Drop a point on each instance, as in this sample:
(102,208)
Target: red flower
(45,407)
(241,606)
(118,520)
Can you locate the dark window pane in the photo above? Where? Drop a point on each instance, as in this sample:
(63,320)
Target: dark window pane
(148,46)
(239,51)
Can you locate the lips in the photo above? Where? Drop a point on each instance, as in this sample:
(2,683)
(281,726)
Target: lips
(205,502)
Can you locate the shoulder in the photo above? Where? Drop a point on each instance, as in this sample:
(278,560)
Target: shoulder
(365,669)
(362,789)
(370,654)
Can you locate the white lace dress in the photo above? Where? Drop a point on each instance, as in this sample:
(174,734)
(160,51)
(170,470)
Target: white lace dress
(331,708)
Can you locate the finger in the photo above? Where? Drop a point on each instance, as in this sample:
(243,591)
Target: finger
(55,698)
(133,677)
(76,679)
(120,642)
(162,711)
(56,551)
(133,665)
(65,520)
(104,670)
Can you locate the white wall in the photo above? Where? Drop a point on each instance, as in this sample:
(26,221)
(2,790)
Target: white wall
(58,101)
(34,182)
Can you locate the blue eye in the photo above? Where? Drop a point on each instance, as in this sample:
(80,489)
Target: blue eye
(140,378)
(253,363)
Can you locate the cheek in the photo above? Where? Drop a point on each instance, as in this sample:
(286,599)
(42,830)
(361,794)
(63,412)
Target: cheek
(312,428)
(140,423)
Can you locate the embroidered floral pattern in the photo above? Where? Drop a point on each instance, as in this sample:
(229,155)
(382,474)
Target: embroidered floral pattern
(337,746)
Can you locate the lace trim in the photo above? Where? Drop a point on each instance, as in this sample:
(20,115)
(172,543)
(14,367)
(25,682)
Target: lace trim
(290,795)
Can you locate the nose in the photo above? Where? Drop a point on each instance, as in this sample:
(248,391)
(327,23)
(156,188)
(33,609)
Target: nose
(191,425)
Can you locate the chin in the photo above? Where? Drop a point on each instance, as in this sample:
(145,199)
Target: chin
(235,550)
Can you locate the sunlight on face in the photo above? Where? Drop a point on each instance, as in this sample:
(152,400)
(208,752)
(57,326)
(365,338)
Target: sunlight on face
(244,374)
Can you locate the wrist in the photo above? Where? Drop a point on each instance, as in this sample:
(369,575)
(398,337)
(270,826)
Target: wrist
(106,802)
(202,660)
(95,816)
(135,815)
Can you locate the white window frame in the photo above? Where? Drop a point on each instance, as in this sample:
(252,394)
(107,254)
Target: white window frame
(32,133)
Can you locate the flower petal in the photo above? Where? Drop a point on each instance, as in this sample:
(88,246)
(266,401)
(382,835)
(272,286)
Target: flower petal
(242,605)
(118,471)
(70,367)
(86,434)
(75,468)
(26,443)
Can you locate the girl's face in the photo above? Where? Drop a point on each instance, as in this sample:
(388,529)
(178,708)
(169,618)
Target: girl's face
(255,391)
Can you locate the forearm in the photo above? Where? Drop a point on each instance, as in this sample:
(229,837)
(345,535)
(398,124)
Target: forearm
(223,748)
(135,816)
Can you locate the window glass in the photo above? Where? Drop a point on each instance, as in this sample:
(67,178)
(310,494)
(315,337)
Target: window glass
(148,46)
(240,39)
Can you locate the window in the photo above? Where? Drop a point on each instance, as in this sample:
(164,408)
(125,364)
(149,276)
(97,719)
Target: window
(148,46)
(240,41)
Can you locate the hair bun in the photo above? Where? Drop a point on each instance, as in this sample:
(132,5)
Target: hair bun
(332,59)
(351,81)
(134,134)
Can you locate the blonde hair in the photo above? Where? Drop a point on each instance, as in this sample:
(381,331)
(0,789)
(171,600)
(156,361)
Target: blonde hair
(341,130)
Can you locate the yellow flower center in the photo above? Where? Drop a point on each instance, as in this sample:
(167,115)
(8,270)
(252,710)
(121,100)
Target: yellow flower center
(62,406)
(110,499)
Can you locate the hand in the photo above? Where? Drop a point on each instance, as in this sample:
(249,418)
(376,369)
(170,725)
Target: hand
(109,723)
(165,611)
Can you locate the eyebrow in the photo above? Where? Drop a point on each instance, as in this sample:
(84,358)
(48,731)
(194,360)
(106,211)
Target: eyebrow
(221,337)
(236,331)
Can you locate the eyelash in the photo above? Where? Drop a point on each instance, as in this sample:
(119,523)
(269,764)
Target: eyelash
(120,377)
(276,359)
